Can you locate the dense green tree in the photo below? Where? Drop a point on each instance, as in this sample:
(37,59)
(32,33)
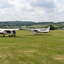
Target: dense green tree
(52,27)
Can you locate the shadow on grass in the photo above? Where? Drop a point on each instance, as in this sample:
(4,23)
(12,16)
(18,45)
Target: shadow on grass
(10,37)
(40,35)
(18,37)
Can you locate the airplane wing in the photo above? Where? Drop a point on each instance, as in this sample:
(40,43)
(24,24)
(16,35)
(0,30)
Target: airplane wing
(26,28)
(8,29)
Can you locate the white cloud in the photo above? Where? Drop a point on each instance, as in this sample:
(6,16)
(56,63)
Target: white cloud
(32,10)
(43,3)
(4,4)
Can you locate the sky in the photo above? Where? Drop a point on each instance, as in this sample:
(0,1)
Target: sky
(32,10)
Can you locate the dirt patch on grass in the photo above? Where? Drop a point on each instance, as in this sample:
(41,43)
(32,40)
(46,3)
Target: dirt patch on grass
(5,55)
(13,44)
(29,51)
(58,57)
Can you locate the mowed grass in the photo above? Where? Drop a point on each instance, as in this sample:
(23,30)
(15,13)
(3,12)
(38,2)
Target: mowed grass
(47,48)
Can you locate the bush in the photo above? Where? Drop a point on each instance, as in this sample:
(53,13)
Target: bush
(52,27)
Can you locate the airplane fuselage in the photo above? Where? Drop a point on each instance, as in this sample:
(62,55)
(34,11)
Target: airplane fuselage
(41,30)
(7,31)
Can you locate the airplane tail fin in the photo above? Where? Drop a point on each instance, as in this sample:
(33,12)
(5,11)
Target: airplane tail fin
(47,30)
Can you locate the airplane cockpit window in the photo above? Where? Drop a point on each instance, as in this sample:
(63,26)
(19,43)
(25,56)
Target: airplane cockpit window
(7,31)
(35,30)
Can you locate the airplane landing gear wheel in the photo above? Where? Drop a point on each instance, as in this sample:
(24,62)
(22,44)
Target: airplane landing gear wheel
(3,35)
(9,35)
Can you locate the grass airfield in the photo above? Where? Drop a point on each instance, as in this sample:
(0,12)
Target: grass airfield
(25,48)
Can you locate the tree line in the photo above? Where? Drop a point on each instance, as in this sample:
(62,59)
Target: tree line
(30,23)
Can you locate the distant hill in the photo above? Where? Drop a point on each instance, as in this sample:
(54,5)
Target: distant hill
(5,24)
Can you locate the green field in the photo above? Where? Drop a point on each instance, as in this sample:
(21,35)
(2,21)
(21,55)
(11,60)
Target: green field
(47,48)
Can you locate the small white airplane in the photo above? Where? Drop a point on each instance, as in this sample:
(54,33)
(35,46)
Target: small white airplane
(41,30)
(7,32)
